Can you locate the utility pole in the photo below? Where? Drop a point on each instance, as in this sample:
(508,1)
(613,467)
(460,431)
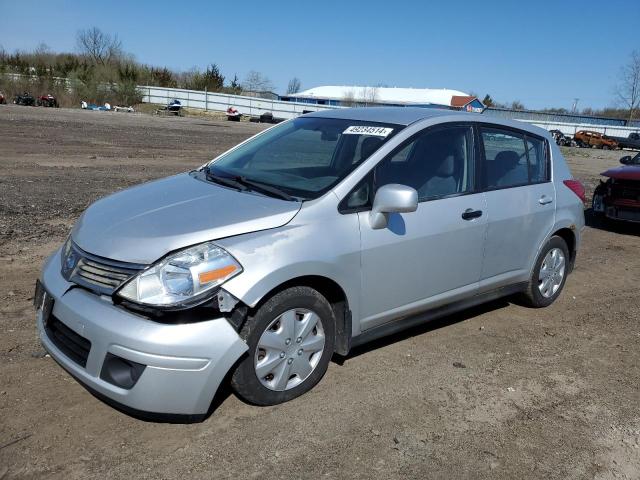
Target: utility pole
(574,108)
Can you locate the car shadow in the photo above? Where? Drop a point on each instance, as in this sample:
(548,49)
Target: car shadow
(599,222)
(225,391)
(426,327)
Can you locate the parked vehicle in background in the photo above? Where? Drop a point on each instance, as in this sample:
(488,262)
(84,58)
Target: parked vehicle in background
(172,108)
(266,117)
(3,99)
(47,101)
(24,99)
(587,138)
(92,106)
(618,197)
(233,115)
(123,108)
(631,142)
(561,139)
(319,234)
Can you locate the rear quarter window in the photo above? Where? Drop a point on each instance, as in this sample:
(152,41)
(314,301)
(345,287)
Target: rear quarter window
(538,165)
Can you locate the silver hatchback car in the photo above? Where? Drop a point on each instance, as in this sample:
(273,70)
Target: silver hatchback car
(316,235)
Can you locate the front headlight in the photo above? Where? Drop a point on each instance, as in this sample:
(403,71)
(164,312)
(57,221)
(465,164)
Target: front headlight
(182,278)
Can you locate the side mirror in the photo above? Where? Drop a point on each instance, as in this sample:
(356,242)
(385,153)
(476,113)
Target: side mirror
(392,198)
(625,160)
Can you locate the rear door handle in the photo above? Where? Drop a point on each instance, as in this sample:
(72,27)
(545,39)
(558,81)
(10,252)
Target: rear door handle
(545,199)
(470,214)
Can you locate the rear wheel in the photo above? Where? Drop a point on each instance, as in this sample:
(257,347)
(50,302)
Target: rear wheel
(549,274)
(291,341)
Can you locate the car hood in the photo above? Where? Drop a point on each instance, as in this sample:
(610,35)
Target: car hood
(626,172)
(143,223)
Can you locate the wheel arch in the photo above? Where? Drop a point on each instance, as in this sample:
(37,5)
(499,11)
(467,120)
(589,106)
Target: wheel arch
(335,295)
(569,236)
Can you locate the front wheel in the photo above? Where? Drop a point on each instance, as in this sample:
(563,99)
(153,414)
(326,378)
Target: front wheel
(549,274)
(291,341)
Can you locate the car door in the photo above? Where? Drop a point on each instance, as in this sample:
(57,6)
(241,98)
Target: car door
(515,174)
(434,255)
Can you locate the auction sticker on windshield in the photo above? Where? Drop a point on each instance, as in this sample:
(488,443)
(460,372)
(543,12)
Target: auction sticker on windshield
(365,130)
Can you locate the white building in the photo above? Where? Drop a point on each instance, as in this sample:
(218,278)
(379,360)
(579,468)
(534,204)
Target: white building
(392,96)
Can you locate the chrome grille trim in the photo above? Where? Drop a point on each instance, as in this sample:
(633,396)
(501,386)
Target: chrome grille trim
(101,275)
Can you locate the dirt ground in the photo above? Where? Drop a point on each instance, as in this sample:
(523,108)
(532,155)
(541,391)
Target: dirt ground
(500,391)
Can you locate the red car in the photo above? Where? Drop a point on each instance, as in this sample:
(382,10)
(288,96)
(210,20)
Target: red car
(618,197)
(2,98)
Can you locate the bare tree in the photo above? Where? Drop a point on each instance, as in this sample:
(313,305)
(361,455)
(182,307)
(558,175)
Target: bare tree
(628,89)
(42,49)
(349,98)
(256,82)
(100,47)
(370,95)
(294,86)
(517,105)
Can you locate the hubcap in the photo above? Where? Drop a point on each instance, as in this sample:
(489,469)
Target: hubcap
(551,272)
(282,363)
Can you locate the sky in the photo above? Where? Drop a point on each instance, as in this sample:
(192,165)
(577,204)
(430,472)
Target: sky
(542,53)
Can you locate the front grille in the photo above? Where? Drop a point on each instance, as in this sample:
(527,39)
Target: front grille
(98,274)
(68,342)
(625,189)
(632,215)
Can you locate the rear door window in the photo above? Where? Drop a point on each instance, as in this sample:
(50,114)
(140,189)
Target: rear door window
(505,158)
(512,159)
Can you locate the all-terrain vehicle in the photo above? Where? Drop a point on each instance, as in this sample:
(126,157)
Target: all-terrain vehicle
(47,101)
(24,99)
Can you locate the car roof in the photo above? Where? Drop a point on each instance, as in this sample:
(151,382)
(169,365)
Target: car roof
(408,115)
(395,115)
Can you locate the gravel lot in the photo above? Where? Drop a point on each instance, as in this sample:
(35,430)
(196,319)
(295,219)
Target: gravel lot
(500,391)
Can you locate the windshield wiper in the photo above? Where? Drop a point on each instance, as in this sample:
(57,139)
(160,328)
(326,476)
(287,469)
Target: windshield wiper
(226,181)
(264,188)
(243,184)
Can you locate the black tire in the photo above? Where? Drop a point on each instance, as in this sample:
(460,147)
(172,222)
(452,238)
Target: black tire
(244,380)
(532,295)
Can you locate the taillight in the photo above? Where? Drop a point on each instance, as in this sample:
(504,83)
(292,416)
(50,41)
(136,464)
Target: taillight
(576,187)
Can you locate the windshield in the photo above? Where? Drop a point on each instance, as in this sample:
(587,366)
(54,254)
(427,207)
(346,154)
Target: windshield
(305,157)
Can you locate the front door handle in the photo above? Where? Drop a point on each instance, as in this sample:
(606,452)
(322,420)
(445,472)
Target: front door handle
(545,199)
(470,214)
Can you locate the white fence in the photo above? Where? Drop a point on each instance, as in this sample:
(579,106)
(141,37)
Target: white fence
(257,106)
(221,101)
(572,128)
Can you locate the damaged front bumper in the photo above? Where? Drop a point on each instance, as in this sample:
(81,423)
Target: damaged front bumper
(130,361)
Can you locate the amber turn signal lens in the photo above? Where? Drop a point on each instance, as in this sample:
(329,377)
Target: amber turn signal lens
(213,275)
